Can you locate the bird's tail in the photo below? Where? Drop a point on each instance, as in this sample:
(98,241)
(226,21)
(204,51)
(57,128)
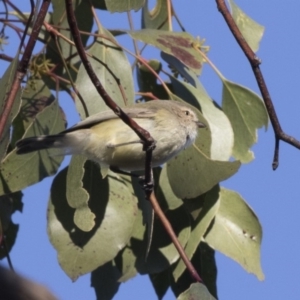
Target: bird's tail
(32,144)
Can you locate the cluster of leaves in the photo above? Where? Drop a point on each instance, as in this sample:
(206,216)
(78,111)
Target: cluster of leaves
(103,225)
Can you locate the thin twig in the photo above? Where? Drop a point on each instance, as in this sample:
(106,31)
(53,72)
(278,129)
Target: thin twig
(255,62)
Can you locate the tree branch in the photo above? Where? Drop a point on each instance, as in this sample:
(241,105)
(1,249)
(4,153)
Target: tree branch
(23,65)
(254,61)
(173,237)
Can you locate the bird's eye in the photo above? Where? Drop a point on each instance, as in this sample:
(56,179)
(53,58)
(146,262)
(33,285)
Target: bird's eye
(187,113)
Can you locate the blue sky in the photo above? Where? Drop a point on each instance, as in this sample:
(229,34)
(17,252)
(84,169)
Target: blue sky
(273,195)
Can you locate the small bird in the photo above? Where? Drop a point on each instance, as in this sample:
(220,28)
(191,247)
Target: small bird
(107,140)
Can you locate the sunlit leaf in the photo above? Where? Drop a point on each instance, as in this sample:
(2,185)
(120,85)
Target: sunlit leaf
(162,251)
(20,171)
(115,209)
(5,88)
(164,192)
(197,291)
(237,233)
(251,30)
(107,59)
(247,113)
(222,137)
(192,173)
(35,97)
(124,5)
(125,261)
(178,44)
(209,209)
(84,18)
(77,196)
(157,17)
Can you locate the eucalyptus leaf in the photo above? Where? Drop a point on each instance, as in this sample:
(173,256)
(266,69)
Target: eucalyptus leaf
(6,83)
(105,281)
(107,59)
(147,81)
(77,196)
(203,260)
(160,282)
(125,262)
(178,44)
(156,18)
(222,137)
(84,18)
(124,5)
(192,173)
(197,291)
(162,251)
(251,30)
(9,204)
(247,113)
(199,227)
(164,192)
(20,171)
(115,209)
(35,97)
(236,232)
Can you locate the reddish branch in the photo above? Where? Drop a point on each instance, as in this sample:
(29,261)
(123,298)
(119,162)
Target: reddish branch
(23,65)
(280,135)
(173,237)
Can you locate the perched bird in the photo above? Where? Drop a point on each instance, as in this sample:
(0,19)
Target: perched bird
(107,140)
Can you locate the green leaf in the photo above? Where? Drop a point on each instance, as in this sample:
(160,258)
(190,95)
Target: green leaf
(35,97)
(162,251)
(5,87)
(84,18)
(9,204)
(156,18)
(77,196)
(247,113)
(115,209)
(236,232)
(124,5)
(43,34)
(20,171)
(107,59)
(160,282)
(178,44)
(222,138)
(192,173)
(251,30)
(105,281)
(197,291)
(164,192)
(204,262)
(211,203)
(208,267)
(125,262)
(147,81)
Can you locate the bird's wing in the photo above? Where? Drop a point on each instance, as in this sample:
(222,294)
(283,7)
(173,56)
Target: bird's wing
(133,112)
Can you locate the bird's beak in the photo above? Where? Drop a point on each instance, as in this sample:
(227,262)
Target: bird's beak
(200,124)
